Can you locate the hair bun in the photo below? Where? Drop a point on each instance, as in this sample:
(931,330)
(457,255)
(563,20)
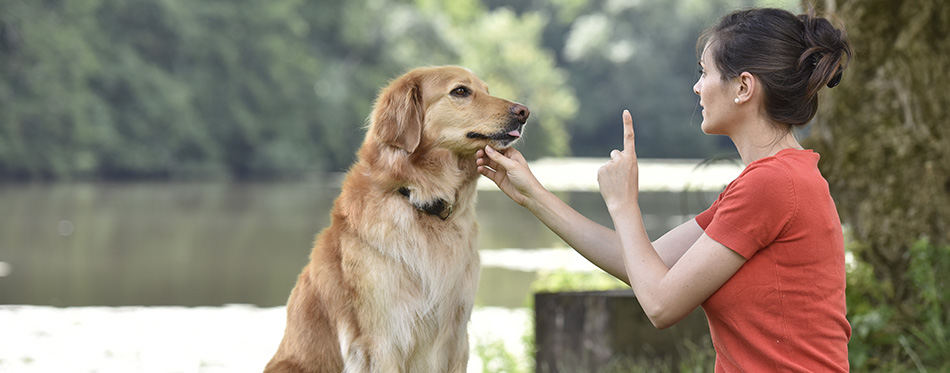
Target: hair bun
(827,51)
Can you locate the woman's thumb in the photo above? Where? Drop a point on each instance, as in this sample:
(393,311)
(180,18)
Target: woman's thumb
(498,157)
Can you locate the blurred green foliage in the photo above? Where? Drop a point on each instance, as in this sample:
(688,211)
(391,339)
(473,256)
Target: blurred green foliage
(171,88)
(887,338)
(637,55)
(210,89)
(496,357)
(563,280)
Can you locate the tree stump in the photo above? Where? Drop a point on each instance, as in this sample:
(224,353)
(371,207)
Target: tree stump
(591,331)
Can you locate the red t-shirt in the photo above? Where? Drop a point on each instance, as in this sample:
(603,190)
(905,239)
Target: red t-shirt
(784,309)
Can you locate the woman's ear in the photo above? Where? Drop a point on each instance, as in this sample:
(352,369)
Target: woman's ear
(398,114)
(746,87)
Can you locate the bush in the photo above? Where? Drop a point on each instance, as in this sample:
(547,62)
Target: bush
(908,336)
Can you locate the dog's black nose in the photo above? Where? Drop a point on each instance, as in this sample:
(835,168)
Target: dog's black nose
(520,112)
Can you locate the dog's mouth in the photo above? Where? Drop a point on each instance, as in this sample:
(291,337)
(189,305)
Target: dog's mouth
(505,136)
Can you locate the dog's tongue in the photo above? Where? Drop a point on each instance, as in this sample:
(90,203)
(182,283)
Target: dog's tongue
(514,133)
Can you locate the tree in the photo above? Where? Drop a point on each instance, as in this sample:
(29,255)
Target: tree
(144,88)
(242,89)
(885,146)
(49,124)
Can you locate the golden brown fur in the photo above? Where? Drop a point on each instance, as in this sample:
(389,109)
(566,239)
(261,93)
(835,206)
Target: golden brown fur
(390,287)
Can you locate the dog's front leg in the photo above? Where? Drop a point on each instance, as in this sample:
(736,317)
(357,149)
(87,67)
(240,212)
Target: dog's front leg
(362,357)
(355,360)
(458,358)
(455,351)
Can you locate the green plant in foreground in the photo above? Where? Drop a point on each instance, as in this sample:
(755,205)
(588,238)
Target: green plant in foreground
(496,358)
(561,280)
(911,336)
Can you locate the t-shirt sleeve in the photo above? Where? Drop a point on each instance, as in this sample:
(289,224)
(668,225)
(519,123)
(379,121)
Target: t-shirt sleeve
(705,217)
(752,212)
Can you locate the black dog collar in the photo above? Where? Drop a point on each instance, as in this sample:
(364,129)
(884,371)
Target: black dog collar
(438,207)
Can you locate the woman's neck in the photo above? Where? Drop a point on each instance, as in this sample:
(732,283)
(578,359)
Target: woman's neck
(763,140)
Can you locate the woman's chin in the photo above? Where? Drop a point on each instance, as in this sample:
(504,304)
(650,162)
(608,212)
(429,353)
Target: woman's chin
(710,129)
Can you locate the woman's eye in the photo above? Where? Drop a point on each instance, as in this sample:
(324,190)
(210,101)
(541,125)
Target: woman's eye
(460,92)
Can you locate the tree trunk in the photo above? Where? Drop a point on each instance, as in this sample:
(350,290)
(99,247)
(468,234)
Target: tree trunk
(606,331)
(883,133)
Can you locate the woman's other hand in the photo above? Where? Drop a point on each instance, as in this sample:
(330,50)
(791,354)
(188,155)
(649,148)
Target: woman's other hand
(618,178)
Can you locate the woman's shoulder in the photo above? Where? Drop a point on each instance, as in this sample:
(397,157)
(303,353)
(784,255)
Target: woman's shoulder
(768,172)
(775,179)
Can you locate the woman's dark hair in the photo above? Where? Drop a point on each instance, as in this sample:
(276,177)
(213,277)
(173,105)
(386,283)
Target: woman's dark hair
(792,56)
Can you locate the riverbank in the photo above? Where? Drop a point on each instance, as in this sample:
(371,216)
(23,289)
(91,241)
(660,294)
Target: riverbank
(232,338)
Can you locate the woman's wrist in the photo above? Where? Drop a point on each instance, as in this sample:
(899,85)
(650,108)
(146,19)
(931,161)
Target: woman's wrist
(622,205)
(535,200)
(624,211)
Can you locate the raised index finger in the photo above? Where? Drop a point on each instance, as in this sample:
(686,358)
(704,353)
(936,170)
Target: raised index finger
(628,135)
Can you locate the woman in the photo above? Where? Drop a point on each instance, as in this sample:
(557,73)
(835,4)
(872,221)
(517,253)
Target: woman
(766,260)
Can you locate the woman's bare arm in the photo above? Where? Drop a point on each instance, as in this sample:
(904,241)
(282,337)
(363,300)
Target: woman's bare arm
(673,244)
(667,294)
(599,244)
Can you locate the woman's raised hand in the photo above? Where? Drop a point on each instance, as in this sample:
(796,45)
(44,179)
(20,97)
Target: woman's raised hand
(618,178)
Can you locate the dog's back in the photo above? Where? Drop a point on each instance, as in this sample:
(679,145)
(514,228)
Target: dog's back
(310,342)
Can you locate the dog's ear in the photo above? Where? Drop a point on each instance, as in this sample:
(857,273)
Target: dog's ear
(398,114)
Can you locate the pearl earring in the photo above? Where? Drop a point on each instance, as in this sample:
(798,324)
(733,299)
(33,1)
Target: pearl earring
(737,100)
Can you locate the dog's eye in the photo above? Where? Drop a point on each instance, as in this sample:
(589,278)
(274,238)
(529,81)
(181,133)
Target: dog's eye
(461,92)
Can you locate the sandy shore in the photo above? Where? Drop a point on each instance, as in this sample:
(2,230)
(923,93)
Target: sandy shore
(233,338)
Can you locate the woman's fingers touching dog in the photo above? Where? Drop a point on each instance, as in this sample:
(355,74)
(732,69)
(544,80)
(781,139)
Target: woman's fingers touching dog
(509,170)
(485,165)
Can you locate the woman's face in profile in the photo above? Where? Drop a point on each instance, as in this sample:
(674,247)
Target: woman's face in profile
(713,96)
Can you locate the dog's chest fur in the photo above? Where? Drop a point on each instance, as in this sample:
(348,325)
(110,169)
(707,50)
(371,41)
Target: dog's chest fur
(413,273)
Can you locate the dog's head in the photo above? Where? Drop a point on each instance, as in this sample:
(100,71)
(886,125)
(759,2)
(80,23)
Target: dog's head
(447,107)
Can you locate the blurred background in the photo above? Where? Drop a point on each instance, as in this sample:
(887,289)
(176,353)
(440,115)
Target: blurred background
(185,153)
(242,90)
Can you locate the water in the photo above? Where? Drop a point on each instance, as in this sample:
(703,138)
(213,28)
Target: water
(209,244)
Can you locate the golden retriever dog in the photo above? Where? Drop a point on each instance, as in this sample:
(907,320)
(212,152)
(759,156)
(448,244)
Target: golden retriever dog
(391,282)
